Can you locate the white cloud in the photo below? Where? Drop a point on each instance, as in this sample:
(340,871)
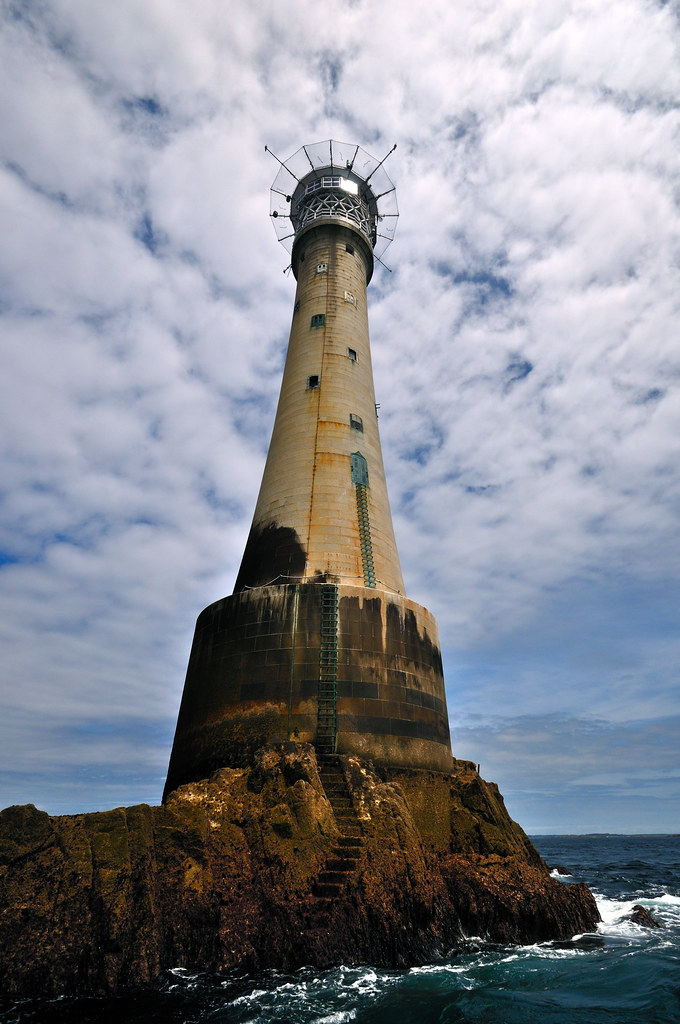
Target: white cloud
(524,347)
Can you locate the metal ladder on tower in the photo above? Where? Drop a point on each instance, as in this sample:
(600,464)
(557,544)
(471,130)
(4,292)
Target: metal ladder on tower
(365,535)
(328,670)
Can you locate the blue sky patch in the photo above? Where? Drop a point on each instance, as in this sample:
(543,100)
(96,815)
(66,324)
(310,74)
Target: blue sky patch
(517,370)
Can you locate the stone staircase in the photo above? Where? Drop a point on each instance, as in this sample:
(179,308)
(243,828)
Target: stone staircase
(342,864)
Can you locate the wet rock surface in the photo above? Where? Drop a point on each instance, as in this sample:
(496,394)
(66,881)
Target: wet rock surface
(641,916)
(225,875)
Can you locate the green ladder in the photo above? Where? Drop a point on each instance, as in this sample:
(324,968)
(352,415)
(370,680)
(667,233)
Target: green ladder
(365,535)
(328,671)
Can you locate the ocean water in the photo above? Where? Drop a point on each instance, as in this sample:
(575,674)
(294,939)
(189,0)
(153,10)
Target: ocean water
(622,973)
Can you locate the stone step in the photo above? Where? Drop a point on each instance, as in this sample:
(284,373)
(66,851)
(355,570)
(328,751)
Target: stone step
(341,864)
(333,877)
(341,803)
(326,889)
(355,841)
(353,852)
(322,906)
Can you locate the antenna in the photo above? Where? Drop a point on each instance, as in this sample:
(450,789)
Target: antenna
(381,163)
(268,150)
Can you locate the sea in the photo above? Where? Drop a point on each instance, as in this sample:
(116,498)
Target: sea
(621,973)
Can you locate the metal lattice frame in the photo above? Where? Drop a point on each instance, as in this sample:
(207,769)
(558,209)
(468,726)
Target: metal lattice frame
(336,204)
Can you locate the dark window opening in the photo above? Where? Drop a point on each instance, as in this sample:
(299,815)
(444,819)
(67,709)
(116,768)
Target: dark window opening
(296,307)
(313,381)
(351,354)
(318,320)
(350,249)
(356,423)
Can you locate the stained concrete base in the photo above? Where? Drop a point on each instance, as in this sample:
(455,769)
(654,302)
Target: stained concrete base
(253,678)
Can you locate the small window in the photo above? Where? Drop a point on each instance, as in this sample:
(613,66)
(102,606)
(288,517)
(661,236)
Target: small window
(350,249)
(351,354)
(322,268)
(318,320)
(350,298)
(356,423)
(296,307)
(313,381)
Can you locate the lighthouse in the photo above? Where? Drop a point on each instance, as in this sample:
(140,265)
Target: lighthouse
(319,642)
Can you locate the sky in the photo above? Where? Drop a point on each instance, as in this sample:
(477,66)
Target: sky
(526,360)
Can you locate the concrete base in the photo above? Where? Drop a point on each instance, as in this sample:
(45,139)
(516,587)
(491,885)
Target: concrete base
(253,678)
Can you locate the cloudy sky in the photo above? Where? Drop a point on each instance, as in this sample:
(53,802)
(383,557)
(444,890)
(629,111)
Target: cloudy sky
(525,349)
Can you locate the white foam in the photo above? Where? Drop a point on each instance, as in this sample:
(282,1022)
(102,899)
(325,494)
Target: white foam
(612,911)
(615,914)
(257,993)
(543,951)
(439,969)
(336,1018)
(190,978)
(360,979)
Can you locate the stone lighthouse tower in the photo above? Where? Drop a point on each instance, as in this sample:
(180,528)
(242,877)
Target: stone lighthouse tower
(318,642)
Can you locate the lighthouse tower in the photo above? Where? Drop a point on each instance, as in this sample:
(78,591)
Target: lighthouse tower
(318,642)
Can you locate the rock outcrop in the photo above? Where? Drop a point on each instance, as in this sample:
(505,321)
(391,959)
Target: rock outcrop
(267,867)
(641,916)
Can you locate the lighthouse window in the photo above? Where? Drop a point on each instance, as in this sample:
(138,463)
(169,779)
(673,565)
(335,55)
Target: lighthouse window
(328,181)
(351,354)
(313,381)
(296,307)
(322,268)
(350,298)
(350,249)
(318,320)
(356,423)
(359,468)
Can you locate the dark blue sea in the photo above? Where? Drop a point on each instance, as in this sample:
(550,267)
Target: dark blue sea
(623,973)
